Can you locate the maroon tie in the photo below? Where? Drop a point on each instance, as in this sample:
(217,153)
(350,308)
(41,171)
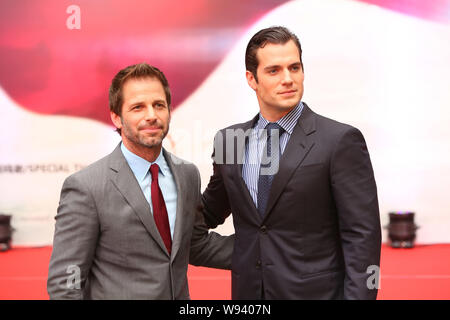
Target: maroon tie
(159,209)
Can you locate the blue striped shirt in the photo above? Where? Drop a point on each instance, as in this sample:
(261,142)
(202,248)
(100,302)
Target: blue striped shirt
(256,144)
(141,170)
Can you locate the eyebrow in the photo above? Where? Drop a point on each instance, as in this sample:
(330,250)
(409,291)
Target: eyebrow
(277,66)
(271,67)
(160,101)
(136,103)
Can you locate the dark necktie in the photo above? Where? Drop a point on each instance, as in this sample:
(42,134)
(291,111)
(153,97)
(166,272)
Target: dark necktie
(159,209)
(270,161)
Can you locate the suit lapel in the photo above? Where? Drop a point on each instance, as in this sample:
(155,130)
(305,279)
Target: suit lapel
(237,168)
(180,181)
(298,147)
(125,181)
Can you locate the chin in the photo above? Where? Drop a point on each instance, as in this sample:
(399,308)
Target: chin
(292,103)
(150,142)
(286,106)
(154,143)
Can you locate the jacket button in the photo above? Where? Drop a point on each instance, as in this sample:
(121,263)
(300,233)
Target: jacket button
(263,229)
(258,264)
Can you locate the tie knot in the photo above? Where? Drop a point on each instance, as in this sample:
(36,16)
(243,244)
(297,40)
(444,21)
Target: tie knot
(273,126)
(154,170)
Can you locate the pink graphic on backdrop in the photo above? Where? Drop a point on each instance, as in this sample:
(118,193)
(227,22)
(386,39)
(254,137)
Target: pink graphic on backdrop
(49,69)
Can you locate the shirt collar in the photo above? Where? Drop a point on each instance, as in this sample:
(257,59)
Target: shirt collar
(140,166)
(287,122)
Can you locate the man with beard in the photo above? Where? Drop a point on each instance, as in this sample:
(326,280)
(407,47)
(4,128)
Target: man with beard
(129,224)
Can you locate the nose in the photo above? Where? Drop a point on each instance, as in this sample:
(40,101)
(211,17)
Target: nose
(150,113)
(287,79)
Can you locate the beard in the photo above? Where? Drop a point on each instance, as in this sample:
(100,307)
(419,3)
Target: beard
(143,139)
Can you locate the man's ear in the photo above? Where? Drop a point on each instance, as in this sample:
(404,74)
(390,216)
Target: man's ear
(116,120)
(251,80)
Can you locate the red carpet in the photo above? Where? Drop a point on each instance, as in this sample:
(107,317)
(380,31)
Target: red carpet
(419,273)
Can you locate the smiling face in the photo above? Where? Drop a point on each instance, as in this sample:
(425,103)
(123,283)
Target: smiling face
(279,87)
(145,116)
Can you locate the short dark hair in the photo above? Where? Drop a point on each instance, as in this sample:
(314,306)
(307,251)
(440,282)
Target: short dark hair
(136,71)
(274,35)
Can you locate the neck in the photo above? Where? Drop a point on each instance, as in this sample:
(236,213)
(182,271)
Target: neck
(273,115)
(148,153)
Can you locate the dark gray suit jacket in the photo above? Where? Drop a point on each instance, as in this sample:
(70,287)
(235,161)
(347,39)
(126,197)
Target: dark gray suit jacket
(321,229)
(106,231)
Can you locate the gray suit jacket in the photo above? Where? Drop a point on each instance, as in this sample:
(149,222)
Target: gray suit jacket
(106,243)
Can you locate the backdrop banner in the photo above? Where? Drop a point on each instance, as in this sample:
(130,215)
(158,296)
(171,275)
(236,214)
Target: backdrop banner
(381,67)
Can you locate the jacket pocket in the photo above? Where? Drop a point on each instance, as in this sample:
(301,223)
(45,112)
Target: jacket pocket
(321,273)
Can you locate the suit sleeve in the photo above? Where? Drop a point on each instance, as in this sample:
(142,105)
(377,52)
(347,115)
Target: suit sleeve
(209,249)
(216,206)
(74,243)
(355,194)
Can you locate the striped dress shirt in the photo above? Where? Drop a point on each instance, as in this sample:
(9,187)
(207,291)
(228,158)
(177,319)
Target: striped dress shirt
(256,145)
